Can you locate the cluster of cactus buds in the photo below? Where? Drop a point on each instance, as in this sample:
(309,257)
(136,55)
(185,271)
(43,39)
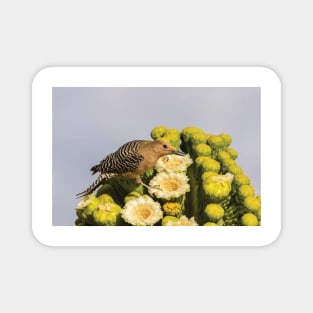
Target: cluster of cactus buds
(204,188)
(98,211)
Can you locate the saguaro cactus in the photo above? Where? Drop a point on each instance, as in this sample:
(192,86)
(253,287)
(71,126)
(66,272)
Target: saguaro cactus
(206,187)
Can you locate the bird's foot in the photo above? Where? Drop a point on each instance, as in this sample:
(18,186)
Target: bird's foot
(156,187)
(139,181)
(151,187)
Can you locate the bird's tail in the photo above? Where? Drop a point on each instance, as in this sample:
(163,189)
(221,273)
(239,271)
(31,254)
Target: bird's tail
(95,169)
(100,180)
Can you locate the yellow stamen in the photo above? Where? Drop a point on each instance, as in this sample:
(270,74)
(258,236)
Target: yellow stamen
(144,211)
(171,185)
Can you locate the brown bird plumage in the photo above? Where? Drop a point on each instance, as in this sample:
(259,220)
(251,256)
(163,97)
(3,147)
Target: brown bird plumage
(130,161)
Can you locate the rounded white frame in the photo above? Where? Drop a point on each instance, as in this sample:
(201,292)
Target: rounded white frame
(261,77)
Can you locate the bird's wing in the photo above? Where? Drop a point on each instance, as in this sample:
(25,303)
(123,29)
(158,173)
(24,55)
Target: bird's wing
(125,159)
(115,163)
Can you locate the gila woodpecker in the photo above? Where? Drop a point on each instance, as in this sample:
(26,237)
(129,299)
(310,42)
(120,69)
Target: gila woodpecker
(130,161)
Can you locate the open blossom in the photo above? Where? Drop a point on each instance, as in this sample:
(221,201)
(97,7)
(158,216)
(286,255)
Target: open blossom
(142,211)
(173,163)
(169,185)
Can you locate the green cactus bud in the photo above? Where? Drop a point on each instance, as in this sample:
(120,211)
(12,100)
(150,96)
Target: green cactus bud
(105,198)
(222,155)
(172,208)
(210,224)
(93,204)
(132,195)
(100,217)
(174,141)
(173,132)
(234,169)
(168,218)
(158,132)
(198,138)
(252,204)
(217,187)
(245,191)
(227,139)
(128,198)
(211,165)
(213,212)
(135,194)
(241,179)
(232,153)
(187,132)
(227,163)
(106,214)
(85,213)
(207,164)
(249,219)
(216,142)
(203,150)
(206,175)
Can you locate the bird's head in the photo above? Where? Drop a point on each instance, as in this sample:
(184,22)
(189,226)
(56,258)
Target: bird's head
(161,148)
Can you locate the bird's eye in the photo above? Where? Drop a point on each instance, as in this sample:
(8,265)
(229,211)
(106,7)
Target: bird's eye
(165,146)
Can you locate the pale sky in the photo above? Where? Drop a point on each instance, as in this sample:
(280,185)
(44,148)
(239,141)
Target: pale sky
(89,123)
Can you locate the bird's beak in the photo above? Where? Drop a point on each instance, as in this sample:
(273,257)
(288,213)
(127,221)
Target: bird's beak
(177,152)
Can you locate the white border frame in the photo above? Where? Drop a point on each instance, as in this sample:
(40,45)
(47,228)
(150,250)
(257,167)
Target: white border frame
(156,77)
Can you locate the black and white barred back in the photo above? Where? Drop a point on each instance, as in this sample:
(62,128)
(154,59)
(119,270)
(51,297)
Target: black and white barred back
(125,159)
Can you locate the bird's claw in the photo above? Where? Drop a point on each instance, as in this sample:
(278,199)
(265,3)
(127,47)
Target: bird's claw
(156,187)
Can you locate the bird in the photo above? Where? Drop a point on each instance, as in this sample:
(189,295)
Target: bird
(130,161)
